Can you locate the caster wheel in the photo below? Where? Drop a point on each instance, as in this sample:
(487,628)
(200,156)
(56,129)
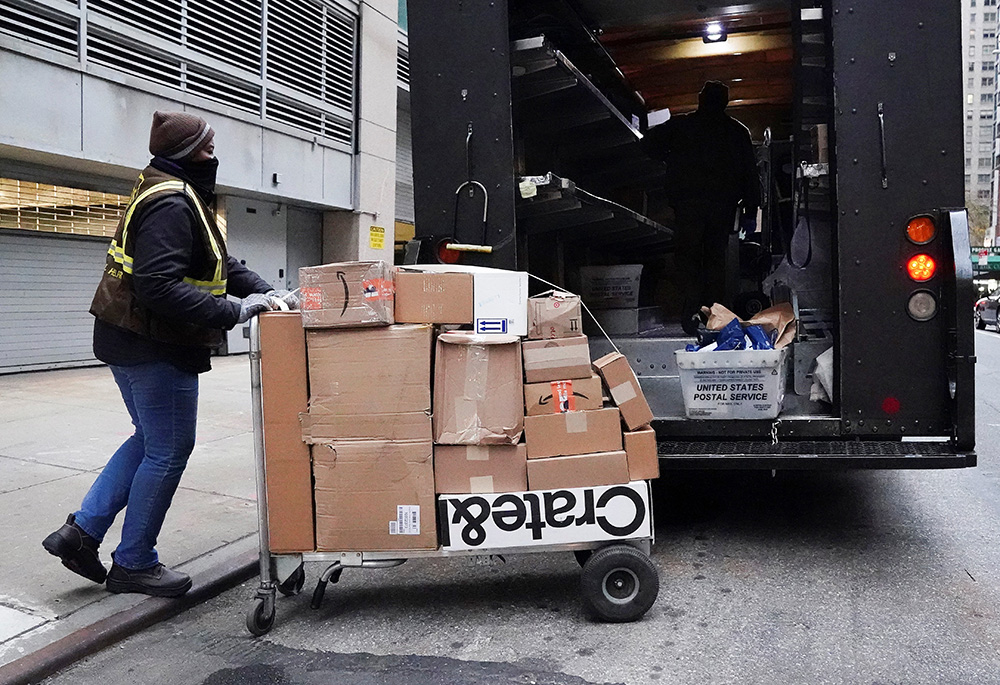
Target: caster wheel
(619,584)
(293,584)
(259,618)
(750,304)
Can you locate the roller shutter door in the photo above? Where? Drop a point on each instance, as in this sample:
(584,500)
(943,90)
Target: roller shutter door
(47,283)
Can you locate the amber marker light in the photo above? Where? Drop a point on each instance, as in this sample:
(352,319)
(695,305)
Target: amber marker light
(921,267)
(920,230)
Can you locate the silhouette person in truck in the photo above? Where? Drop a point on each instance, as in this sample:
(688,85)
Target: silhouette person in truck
(711,175)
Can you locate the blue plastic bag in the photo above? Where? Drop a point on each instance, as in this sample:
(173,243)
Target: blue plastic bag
(731,337)
(759,337)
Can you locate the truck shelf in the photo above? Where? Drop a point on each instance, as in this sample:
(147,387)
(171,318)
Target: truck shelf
(560,205)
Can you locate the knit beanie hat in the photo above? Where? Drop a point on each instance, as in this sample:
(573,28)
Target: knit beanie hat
(178,135)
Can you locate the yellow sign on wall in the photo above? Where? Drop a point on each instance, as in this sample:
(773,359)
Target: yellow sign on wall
(376,238)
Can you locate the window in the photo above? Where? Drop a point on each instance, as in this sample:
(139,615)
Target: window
(968,179)
(968,147)
(989,66)
(968,115)
(985,163)
(970,83)
(986,3)
(986,97)
(985,115)
(982,178)
(968,131)
(970,98)
(988,81)
(989,17)
(986,146)
(986,131)
(983,194)
(968,162)
(972,18)
(987,50)
(987,35)
(972,51)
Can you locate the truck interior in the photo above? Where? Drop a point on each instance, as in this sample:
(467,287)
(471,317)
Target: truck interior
(588,77)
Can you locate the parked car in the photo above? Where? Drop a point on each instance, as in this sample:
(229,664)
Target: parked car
(986,310)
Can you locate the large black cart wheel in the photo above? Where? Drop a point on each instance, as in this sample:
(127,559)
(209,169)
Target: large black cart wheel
(294,583)
(260,618)
(619,584)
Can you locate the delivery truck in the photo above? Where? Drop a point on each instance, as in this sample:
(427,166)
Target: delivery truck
(528,118)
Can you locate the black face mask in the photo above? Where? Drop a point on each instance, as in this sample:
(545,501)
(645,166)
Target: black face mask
(202,174)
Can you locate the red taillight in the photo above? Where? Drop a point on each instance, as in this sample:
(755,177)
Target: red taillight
(920,229)
(445,255)
(921,267)
(890,405)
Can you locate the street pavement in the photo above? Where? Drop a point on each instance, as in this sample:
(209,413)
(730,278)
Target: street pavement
(858,577)
(57,430)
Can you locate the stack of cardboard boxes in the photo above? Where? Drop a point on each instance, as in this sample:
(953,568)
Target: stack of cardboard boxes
(360,468)
(573,437)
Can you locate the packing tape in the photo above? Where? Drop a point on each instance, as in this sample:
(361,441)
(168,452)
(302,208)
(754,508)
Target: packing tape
(480,484)
(477,453)
(576,421)
(477,367)
(623,392)
(559,353)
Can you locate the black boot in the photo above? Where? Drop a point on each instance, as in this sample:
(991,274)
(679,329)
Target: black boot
(77,550)
(158,581)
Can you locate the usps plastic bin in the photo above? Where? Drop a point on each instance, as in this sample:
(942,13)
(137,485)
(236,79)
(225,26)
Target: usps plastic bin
(735,384)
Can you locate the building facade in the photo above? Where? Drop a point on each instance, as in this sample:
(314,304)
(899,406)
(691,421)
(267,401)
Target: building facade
(979,24)
(302,95)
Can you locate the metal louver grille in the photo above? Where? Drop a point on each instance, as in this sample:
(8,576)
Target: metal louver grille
(57,209)
(228,30)
(162,18)
(311,49)
(228,91)
(295,114)
(39,26)
(403,65)
(123,55)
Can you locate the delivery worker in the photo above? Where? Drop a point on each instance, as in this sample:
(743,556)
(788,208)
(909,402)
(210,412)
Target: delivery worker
(711,174)
(160,309)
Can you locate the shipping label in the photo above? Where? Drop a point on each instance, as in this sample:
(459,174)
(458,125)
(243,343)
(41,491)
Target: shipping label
(378,289)
(563,398)
(545,517)
(311,299)
(407,520)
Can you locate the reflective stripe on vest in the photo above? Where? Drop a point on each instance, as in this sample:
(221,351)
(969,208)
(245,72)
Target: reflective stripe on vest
(217,286)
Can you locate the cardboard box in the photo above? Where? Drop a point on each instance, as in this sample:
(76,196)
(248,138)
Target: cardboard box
(643,457)
(624,389)
(374,495)
(320,427)
(554,397)
(624,513)
(554,314)
(286,458)
(480,468)
(557,359)
(478,397)
(433,297)
(575,432)
(578,471)
(610,287)
(499,297)
(346,294)
(370,370)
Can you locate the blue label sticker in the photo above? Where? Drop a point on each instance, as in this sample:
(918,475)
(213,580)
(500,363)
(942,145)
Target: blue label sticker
(491,325)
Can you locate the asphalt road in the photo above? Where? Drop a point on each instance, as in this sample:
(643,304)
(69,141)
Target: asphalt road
(860,577)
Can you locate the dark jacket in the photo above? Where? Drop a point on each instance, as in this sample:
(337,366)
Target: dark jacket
(709,158)
(166,246)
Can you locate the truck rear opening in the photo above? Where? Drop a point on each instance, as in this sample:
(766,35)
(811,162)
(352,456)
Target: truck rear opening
(856,117)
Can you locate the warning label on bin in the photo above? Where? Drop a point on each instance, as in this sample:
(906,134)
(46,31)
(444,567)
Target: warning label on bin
(733,393)
(545,517)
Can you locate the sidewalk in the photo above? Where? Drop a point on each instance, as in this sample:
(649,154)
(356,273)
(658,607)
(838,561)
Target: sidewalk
(57,429)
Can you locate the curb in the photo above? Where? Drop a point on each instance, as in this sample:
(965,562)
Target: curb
(52,658)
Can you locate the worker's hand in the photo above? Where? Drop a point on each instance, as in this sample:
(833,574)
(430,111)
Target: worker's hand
(288,300)
(252,305)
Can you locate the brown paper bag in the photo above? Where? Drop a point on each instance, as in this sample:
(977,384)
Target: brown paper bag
(780,318)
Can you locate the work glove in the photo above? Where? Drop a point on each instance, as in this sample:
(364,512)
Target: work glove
(252,305)
(286,300)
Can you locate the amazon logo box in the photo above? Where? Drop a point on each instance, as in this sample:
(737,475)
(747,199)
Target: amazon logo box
(545,517)
(556,397)
(346,294)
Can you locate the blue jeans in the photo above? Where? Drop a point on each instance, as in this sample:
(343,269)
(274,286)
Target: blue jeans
(142,476)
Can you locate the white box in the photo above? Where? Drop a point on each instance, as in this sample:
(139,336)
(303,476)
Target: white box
(545,517)
(734,384)
(499,297)
(610,287)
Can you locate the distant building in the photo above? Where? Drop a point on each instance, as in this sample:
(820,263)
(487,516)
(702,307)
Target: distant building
(979,35)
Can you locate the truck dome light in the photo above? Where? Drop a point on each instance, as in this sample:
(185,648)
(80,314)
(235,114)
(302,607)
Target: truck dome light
(921,229)
(921,267)
(922,305)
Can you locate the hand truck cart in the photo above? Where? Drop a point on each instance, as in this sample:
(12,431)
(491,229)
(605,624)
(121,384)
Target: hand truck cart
(609,529)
